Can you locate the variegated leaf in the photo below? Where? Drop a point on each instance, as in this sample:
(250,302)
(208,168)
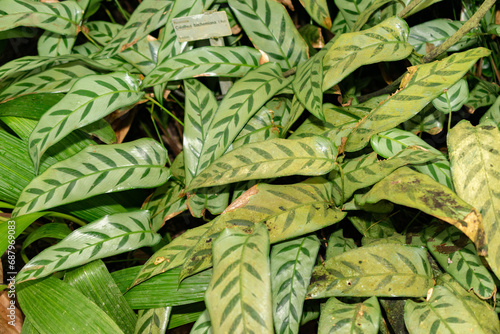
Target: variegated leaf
(51,44)
(372,225)
(350,11)
(457,256)
(428,120)
(241,102)
(238,297)
(483,94)
(386,41)
(271,30)
(475,162)
(365,15)
(389,269)
(58,79)
(338,244)
(292,263)
(271,158)
(203,325)
(493,113)
(318,11)
(96,170)
(59,17)
(426,36)
(153,320)
(426,82)
(419,191)
(453,98)
(205,61)
(214,199)
(90,99)
(338,317)
(147,17)
(110,235)
(389,143)
(442,311)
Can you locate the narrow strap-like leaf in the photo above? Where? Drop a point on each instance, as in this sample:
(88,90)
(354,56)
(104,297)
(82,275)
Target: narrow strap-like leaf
(93,171)
(90,99)
(108,236)
(238,297)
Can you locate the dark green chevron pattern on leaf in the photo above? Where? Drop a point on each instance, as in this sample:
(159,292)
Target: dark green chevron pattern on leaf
(214,199)
(338,244)
(453,98)
(386,41)
(96,170)
(147,17)
(364,16)
(153,320)
(203,325)
(272,158)
(380,270)
(238,297)
(90,99)
(271,30)
(318,10)
(242,101)
(426,82)
(291,268)
(350,10)
(205,61)
(457,255)
(338,317)
(51,44)
(483,94)
(110,235)
(59,17)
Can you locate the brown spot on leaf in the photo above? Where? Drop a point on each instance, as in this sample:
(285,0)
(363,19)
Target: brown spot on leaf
(127,45)
(242,200)
(159,260)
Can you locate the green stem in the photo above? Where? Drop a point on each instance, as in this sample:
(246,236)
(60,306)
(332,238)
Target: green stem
(453,39)
(90,39)
(164,109)
(125,14)
(151,111)
(68,217)
(402,14)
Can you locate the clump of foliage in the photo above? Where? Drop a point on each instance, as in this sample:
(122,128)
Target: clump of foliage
(259,184)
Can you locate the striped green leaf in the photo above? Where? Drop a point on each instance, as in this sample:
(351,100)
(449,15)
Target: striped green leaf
(51,230)
(386,41)
(457,256)
(493,113)
(214,199)
(338,317)
(199,112)
(271,30)
(483,94)
(110,235)
(171,255)
(283,208)
(389,143)
(385,270)
(153,320)
(52,44)
(368,12)
(242,101)
(90,99)
(318,11)
(350,10)
(358,174)
(426,82)
(475,161)
(292,263)
(59,17)
(87,52)
(58,79)
(453,98)
(205,61)
(93,171)
(441,312)
(147,17)
(419,191)
(268,159)
(94,281)
(479,308)
(203,325)
(428,120)
(42,300)
(238,297)
(372,225)
(426,36)
(338,244)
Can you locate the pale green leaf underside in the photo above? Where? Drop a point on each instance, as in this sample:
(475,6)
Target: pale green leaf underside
(453,98)
(110,235)
(96,170)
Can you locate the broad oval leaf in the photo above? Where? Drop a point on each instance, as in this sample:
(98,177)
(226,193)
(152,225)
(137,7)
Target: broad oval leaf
(152,321)
(270,28)
(110,235)
(441,312)
(90,99)
(475,162)
(426,82)
(206,61)
(389,270)
(292,263)
(59,17)
(419,191)
(453,98)
(96,170)
(268,159)
(238,297)
(338,317)
(52,44)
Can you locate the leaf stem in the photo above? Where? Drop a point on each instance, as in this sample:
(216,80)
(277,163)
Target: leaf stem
(84,32)
(67,217)
(412,5)
(164,109)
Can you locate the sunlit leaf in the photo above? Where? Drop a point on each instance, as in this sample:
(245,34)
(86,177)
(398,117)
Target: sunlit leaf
(239,295)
